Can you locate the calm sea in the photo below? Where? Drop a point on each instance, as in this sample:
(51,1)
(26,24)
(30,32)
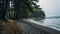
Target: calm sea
(53,22)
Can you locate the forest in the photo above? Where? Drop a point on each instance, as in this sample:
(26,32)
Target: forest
(12,10)
(19,9)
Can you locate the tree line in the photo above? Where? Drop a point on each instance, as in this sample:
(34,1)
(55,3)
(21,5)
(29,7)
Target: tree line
(19,9)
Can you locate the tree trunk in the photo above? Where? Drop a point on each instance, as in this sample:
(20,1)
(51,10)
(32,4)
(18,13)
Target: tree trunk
(4,9)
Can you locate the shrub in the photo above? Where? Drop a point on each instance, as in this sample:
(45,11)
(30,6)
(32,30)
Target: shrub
(12,28)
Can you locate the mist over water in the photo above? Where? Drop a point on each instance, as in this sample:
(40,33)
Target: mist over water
(50,7)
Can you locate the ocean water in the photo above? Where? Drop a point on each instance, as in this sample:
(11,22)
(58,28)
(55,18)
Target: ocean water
(52,22)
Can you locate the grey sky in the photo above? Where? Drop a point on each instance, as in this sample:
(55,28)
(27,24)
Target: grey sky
(50,7)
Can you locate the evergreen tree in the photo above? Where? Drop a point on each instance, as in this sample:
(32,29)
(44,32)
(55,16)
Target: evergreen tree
(3,8)
(22,9)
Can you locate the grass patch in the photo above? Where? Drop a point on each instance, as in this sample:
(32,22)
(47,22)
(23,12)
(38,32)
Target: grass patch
(11,27)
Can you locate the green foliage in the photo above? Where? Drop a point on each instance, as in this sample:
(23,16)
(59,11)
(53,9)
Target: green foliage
(38,13)
(27,9)
(24,9)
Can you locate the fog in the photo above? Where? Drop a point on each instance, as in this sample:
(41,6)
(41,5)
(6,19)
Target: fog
(50,7)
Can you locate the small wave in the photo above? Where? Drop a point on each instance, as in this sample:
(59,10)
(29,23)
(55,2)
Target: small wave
(56,28)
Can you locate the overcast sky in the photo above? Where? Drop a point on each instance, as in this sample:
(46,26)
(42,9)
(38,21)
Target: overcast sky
(50,7)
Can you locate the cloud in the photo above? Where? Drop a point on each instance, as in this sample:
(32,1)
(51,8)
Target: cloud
(51,7)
